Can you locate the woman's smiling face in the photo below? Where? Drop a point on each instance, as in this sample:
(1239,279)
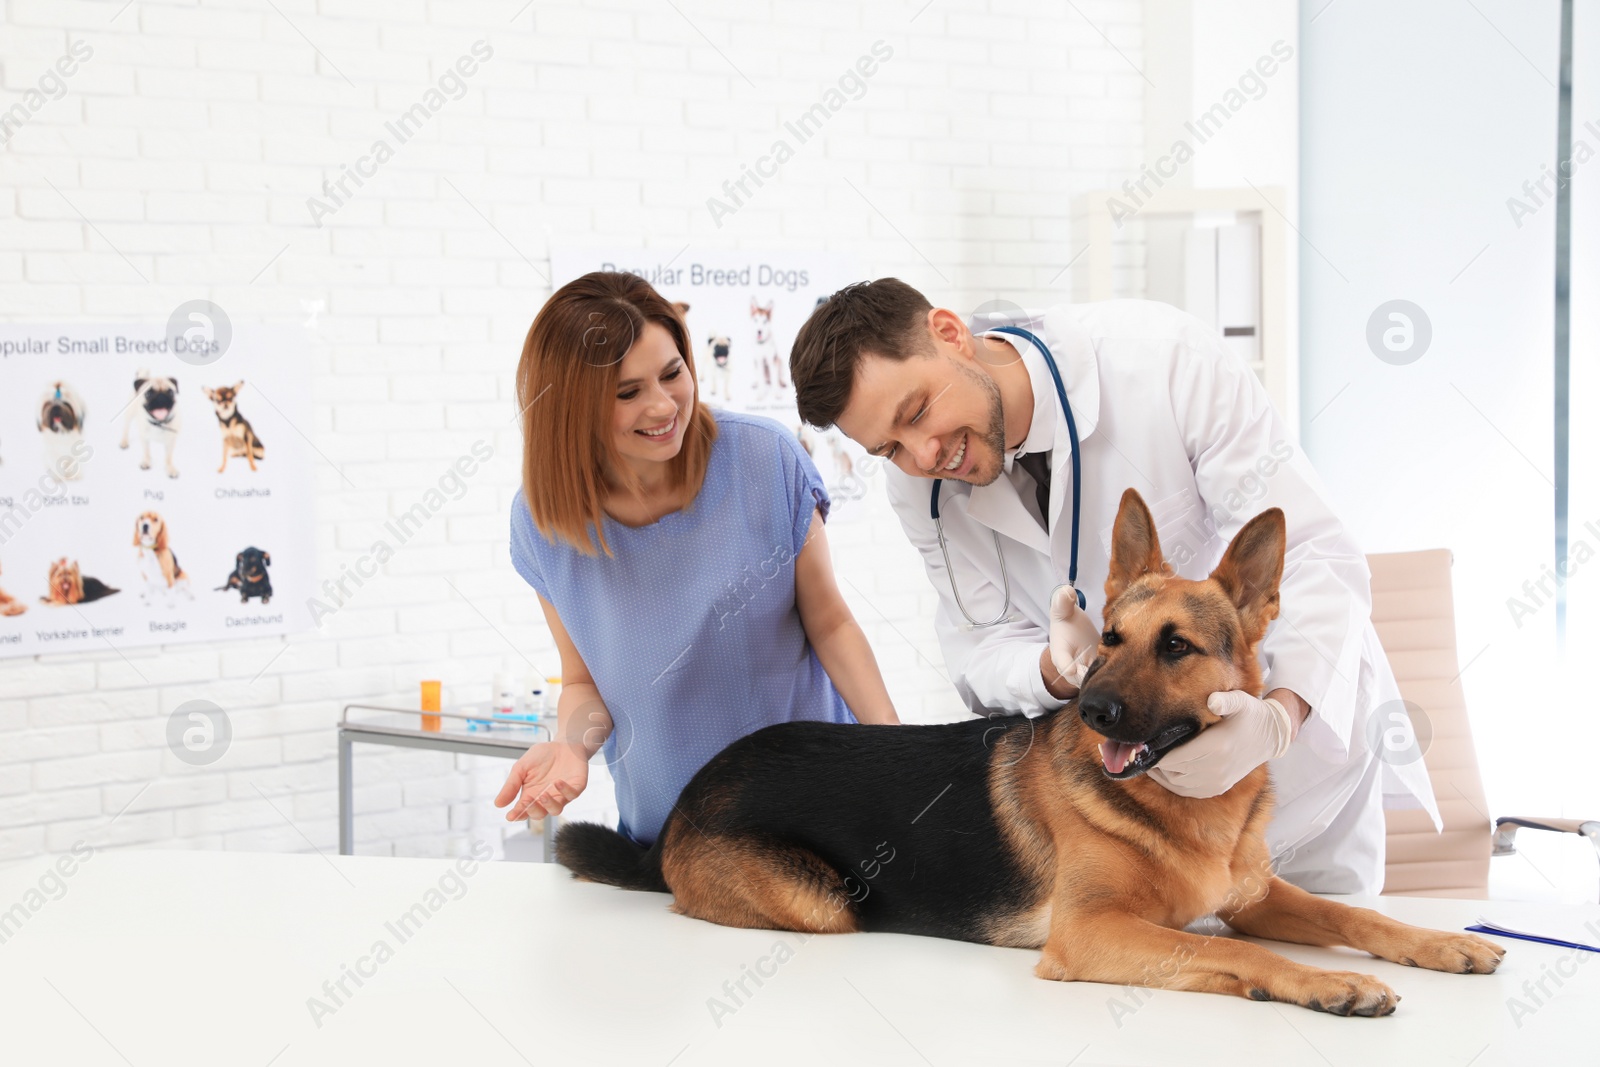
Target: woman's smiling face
(655,399)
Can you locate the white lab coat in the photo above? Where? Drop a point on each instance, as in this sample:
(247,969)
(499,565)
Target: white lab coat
(1163,406)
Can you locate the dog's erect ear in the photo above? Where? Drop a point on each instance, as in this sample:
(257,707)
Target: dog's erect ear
(238,385)
(1135,549)
(1251,569)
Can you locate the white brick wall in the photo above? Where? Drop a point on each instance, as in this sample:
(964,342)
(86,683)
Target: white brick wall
(191,141)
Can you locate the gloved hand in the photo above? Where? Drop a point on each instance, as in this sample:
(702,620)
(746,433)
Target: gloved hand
(1074,638)
(1251,732)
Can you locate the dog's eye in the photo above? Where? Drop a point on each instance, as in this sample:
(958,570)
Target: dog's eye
(1175,646)
(1110,638)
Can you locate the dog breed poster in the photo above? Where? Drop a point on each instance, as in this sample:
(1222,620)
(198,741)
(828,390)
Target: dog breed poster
(149,493)
(743,309)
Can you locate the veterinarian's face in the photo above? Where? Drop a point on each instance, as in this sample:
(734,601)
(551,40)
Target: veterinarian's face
(933,416)
(655,397)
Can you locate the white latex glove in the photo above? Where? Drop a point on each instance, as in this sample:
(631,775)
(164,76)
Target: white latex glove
(1074,638)
(1252,731)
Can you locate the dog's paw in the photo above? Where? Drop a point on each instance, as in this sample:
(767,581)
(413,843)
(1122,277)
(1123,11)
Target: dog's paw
(1456,953)
(1343,993)
(1051,968)
(144,465)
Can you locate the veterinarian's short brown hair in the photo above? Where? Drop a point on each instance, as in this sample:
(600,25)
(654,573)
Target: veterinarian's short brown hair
(566,387)
(883,318)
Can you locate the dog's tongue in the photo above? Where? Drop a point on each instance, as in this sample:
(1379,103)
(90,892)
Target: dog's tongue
(159,413)
(1116,754)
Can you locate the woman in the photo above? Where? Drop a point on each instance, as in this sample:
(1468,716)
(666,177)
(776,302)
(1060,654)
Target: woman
(679,557)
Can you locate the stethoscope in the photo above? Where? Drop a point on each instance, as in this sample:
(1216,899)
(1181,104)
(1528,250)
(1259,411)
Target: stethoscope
(1077,485)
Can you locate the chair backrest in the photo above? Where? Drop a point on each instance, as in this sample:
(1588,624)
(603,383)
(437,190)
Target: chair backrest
(1414,613)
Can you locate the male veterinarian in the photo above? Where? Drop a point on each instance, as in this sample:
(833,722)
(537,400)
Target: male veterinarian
(1157,402)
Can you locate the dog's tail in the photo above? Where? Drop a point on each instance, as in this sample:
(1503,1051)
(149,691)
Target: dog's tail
(600,854)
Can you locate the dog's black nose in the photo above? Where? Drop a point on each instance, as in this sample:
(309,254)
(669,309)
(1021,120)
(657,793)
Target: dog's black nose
(1100,712)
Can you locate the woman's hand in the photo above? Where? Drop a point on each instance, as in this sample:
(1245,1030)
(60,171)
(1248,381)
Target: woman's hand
(549,776)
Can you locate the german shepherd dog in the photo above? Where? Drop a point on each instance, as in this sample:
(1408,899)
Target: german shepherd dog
(1040,833)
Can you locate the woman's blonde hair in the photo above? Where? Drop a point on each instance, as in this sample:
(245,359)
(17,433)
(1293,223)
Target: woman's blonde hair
(566,386)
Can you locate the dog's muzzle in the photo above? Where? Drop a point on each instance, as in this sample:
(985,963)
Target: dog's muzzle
(1123,757)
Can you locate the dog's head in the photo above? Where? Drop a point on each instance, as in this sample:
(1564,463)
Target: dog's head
(225,398)
(1169,643)
(66,581)
(159,397)
(720,347)
(761,315)
(251,564)
(150,531)
(61,410)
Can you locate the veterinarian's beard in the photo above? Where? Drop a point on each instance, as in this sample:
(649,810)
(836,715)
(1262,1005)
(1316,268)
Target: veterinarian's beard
(995,436)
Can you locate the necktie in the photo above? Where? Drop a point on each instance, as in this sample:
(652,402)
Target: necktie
(1037,464)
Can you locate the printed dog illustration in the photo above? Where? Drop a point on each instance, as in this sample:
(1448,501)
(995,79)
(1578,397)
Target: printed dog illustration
(158,564)
(238,436)
(772,369)
(155,405)
(60,421)
(250,575)
(67,585)
(10,605)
